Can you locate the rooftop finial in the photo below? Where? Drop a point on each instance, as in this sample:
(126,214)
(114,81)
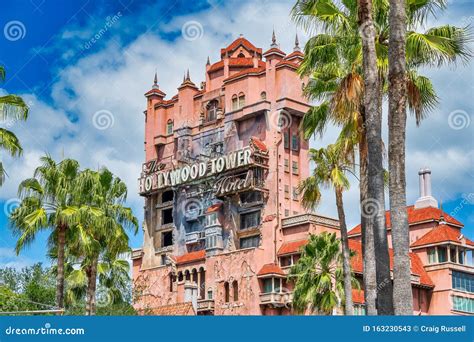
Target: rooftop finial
(187,76)
(155,81)
(208,61)
(297,44)
(274,44)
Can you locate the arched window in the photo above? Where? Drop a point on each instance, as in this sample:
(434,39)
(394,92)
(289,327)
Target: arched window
(241,100)
(235,288)
(169,127)
(263,95)
(226,292)
(212,110)
(235,102)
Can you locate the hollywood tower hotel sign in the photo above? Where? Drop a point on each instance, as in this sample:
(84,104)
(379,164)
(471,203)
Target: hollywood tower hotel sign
(223,163)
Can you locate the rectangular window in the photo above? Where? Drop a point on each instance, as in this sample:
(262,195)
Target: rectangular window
(287,165)
(463,281)
(442,254)
(287,191)
(287,213)
(235,103)
(295,193)
(295,145)
(286,139)
(452,254)
(250,242)
(431,256)
(267,285)
(286,261)
(250,220)
(169,128)
(167,216)
(461,257)
(463,304)
(294,167)
(166,239)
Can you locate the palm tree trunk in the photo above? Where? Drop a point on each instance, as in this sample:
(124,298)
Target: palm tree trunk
(91,288)
(368,253)
(346,258)
(397,96)
(61,260)
(374,206)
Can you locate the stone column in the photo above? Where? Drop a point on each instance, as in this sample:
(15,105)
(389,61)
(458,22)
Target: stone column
(421,183)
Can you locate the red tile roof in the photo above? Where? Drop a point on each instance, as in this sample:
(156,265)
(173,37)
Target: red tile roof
(415,216)
(358,296)
(274,51)
(191,257)
(178,309)
(248,71)
(241,41)
(258,144)
(294,54)
(269,269)
(291,247)
(417,268)
(216,66)
(242,62)
(155,92)
(283,63)
(213,208)
(442,233)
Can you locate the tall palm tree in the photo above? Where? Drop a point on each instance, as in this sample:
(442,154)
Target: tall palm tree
(317,275)
(12,108)
(101,221)
(333,62)
(44,198)
(331,166)
(397,99)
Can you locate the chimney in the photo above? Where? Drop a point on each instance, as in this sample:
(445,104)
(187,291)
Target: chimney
(426,199)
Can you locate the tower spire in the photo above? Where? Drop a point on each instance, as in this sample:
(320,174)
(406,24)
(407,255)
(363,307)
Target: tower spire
(187,76)
(155,81)
(297,44)
(274,43)
(208,61)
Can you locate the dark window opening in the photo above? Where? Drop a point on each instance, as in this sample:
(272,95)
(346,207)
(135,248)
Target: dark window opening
(250,242)
(251,197)
(286,139)
(226,292)
(295,146)
(285,261)
(167,216)
(250,220)
(166,239)
(212,111)
(235,288)
(167,196)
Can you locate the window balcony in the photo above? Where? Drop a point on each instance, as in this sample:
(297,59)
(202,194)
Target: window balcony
(193,237)
(205,305)
(276,299)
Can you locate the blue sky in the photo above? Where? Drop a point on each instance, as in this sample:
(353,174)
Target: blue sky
(77,61)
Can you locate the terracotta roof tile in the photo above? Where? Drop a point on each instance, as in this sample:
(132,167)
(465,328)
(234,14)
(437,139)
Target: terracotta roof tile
(294,54)
(178,309)
(274,51)
(213,208)
(358,296)
(191,257)
(286,63)
(258,144)
(415,216)
(246,72)
(441,233)
(155,92)
(269,269)
(241,41)
(291,247)
(417,268)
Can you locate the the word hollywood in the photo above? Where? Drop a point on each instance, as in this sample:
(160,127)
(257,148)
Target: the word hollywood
(188,173)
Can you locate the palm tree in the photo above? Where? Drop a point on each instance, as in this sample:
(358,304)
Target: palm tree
(317,275)
(333,62)
(44,199)
(101,221)
(12,108)
(397,99)
(331,166)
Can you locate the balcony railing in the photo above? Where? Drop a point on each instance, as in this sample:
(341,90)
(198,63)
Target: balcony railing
(193,237)
(309,218)
(205,305)
(277,299)
(137,253)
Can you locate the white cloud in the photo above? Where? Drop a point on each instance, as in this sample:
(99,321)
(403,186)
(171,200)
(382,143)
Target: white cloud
(114,77)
